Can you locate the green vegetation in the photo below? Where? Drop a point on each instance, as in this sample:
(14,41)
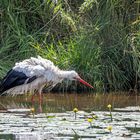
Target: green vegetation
(100,39)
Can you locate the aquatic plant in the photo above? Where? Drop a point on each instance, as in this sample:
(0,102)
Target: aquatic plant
(94,117)
(90,121)
(50,116)
(135,127)
(75,110)
(109,128)
(76,136)
(110,110)
(32,110)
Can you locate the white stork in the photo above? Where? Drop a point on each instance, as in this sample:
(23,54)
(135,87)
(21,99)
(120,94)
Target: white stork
(33,74)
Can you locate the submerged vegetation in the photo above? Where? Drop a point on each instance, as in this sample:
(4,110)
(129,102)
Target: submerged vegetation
(100,39)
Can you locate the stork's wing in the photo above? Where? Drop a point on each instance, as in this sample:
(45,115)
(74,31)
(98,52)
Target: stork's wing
(30,70)
(14,78)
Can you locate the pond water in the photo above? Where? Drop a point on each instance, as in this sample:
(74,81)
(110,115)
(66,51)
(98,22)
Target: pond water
(54,118)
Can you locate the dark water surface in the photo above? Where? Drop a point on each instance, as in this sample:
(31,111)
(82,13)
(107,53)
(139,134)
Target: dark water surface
(66,102)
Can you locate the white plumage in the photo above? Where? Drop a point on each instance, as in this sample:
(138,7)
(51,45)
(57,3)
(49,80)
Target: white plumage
(36,66)
(33,74)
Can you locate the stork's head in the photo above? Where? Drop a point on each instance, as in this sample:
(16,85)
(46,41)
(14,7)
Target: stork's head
(73,75)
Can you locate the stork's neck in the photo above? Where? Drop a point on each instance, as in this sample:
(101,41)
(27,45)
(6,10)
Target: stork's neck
(68,74)
(65,74)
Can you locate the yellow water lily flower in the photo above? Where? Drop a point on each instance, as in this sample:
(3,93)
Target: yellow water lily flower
(75,110)
(32,109)
(109,128)
(109,106)
(89,120)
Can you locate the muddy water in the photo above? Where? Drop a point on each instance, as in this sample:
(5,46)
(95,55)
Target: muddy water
(54,118)
(66,102)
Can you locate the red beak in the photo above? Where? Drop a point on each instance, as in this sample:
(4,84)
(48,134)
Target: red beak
(84,82)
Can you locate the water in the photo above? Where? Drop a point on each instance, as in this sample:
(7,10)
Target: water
(66,102)
(54,118)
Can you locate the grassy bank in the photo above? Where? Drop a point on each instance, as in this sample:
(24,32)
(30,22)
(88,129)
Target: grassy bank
(97,38)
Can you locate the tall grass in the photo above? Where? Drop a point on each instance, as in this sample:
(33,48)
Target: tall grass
(97,38)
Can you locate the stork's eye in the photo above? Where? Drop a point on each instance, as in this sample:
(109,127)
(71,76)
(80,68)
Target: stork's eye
(75,78)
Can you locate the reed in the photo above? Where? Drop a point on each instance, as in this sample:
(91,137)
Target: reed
(97,38)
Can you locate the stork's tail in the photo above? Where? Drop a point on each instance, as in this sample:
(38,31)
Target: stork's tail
(1,87)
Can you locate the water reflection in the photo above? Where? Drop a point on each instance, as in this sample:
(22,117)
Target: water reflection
(66,102)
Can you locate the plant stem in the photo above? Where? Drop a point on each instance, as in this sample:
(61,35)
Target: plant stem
(111,115)
(75,115)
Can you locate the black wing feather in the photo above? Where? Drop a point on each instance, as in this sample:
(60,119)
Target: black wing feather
(14,78)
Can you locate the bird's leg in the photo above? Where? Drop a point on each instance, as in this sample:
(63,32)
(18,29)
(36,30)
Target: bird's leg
(32,98)
(40,103)
(40,98)
(40,94)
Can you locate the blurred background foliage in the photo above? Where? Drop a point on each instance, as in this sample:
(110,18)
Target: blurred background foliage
(100,39)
